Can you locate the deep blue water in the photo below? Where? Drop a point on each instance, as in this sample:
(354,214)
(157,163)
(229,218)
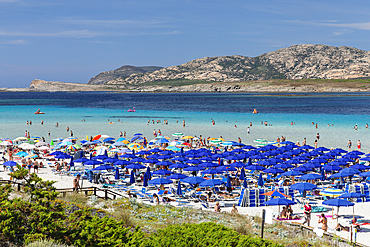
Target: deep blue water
(332,104)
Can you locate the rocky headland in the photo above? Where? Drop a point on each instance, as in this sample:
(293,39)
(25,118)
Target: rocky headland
(298,68)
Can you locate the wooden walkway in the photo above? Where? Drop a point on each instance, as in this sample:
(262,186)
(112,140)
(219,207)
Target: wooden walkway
(96,191)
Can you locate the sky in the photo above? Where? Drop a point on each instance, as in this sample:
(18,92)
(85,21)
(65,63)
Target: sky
(72,41)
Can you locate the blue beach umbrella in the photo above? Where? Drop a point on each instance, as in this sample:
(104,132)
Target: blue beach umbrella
(145,181)
(228,181)
(192,168)
(177,176)
(193,180)
(179,191)
(365,174)
(338,203)
(135,166)
(273,171)
(255,168)
(242,174)
(71,163)
(292,173)
(211,183)
(160,181)
(310,176)
(162,172)
(260,180)
(279,201)
(132,177)
(245,183)
(360,167)
(303,186)
(178,166)
(103,167)
(352,195)
(122,163)
(81,160)
(116,175)
(10,163)
(92,162)
(148,173)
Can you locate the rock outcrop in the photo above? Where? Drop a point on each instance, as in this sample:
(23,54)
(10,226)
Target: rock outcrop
(121,73)
(294,62)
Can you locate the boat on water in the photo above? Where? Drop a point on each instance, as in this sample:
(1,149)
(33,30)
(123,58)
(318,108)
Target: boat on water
(131,110)
(39,112)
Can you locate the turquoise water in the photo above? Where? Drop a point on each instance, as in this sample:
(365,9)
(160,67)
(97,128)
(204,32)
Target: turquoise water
(198,110)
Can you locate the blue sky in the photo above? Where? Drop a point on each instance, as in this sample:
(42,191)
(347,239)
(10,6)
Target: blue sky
(72,41)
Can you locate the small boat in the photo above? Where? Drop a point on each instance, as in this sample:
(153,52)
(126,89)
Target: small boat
(255,111)
(131,110)
(38,112)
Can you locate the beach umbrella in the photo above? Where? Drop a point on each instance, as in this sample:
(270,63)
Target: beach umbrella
(161,141)
(92,162)
(110,160)
(283,166)
(245,184)
(274,193)
(338,203)
(103,167)
(210,171)
(122,163)
(365,174)
(292,173)
(330,168)
(352,195)
(211,183)
(139,159)
(228,181)
(179,191)
(255,168)
(118,144)
(360,167)
(164,163)
(148,173)
(193,180)
(260,180)
(237,164)
(177,176)
(273,171)
(192,168)
(303,186)
(145,181)
(310,176)
(242,174)
(177,134)
(178,166)
(162,172)
(100,157)
(151,161)
(341,175)
(21,154)
(116,175)
(331,192)
(350,170)
(135,166)
(10,163)
(279,201)
(132,177)
(63,156)
(71,163)
(160,181)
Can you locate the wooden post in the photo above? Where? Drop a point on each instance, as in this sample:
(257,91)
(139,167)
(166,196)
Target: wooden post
(19,187)
(94,191)
(263,221)
(106,194)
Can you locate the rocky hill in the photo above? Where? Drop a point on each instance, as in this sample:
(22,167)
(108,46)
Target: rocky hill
(121,73)
(295,62)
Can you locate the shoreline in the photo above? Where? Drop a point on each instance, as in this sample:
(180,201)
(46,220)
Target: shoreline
(216,87)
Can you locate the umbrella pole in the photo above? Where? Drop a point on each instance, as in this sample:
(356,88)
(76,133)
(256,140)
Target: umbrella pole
(337,214)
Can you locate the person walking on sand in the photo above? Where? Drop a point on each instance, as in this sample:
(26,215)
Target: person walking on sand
(76,183)
(307,213)
(349,144)
(248,130)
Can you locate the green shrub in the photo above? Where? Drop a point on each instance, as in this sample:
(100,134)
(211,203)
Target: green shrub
(204,234)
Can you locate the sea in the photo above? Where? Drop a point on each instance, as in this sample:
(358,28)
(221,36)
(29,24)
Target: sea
(294,116)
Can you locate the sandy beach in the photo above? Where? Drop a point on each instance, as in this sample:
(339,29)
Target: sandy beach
(65,180)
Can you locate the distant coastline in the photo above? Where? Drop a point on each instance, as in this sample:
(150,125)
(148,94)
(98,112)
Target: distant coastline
(266,86)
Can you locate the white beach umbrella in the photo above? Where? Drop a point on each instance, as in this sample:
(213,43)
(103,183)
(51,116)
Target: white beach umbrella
(39,144)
